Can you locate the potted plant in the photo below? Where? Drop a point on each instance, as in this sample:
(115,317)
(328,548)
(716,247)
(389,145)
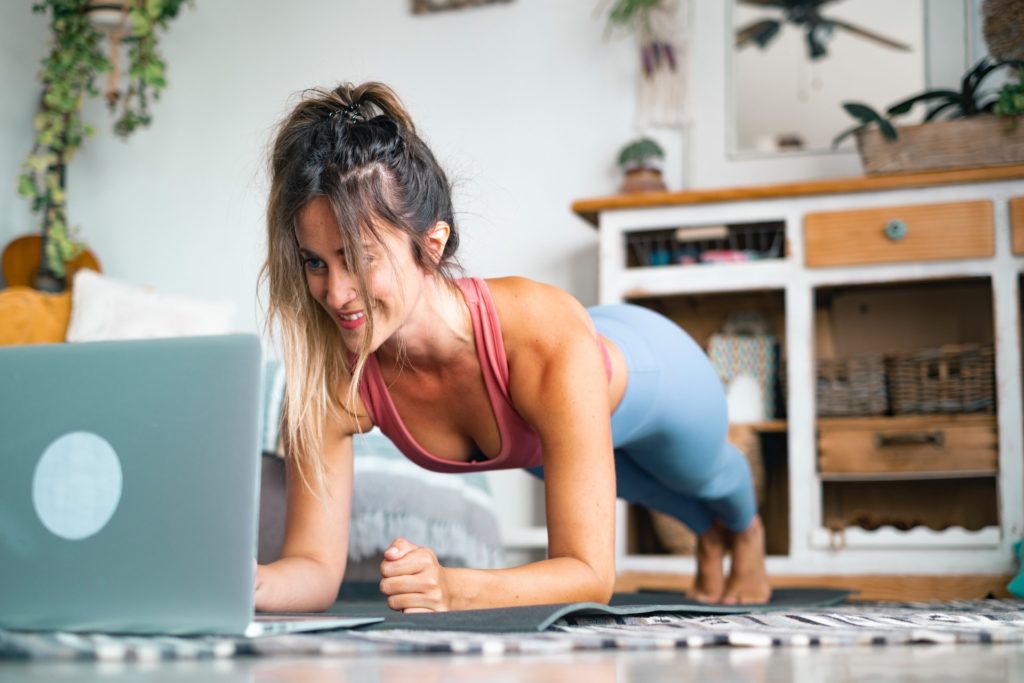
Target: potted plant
(68,75)
(641,162)
(961,128)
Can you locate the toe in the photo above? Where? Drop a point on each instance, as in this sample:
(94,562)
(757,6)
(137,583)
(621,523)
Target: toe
(750,595)
(701,596)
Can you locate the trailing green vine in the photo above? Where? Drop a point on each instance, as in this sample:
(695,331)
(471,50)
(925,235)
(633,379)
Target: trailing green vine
(68,76)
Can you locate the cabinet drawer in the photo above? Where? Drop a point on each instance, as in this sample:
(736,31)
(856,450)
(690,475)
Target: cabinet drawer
(1017,224)
(907,445)
(926,232)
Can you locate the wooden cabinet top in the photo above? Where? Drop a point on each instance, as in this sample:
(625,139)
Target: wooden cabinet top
(588,209)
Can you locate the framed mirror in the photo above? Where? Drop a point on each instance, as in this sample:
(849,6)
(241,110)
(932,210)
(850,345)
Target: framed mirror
(790,65)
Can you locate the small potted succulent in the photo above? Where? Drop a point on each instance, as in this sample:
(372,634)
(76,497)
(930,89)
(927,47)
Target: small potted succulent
(641,163)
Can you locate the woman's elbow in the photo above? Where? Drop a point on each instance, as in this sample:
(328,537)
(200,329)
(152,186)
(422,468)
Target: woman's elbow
(316,588)
(602,587)
(606,590)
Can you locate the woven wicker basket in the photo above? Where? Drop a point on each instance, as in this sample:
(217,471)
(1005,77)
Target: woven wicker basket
(962,143)
(949,379)
(854,385)
(847,386)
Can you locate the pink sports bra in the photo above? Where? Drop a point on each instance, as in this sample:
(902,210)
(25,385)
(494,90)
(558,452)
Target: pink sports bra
(520,445)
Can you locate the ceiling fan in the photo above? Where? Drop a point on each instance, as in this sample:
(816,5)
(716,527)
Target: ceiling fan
(804,14)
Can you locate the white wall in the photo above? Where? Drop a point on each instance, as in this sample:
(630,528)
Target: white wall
(22,40)
(523,103)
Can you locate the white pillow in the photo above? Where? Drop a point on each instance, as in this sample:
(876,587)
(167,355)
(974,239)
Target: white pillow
(103,308)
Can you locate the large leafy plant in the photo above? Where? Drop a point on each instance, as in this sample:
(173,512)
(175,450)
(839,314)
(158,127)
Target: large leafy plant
(970,100)
(68,76)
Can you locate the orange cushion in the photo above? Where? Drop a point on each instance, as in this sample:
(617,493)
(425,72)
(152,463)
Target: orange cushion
(28,316)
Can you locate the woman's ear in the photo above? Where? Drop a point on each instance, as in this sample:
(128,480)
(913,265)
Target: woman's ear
(437,238)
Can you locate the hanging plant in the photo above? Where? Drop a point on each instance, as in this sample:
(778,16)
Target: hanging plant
(68,76)
(636,16)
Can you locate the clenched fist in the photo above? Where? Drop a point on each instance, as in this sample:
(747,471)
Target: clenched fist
(413,580)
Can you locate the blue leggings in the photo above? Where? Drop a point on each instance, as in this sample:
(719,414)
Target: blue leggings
(670,428)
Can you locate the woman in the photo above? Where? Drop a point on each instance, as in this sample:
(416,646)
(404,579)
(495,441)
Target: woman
(470,375)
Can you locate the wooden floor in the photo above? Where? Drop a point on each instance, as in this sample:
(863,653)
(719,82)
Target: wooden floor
(975,663)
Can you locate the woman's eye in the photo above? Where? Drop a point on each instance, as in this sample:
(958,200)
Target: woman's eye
(313,263)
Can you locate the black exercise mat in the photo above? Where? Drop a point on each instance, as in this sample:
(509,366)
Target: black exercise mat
(535,618)
(781,597)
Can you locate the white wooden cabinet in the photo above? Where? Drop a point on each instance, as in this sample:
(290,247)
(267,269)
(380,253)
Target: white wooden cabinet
(958,239)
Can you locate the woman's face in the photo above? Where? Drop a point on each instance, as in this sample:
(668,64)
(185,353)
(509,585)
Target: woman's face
(394,279)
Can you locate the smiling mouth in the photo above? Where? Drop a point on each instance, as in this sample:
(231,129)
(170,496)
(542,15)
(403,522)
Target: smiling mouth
(351,321)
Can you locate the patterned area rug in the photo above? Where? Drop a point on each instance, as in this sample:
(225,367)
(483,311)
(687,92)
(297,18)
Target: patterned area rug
(985,621)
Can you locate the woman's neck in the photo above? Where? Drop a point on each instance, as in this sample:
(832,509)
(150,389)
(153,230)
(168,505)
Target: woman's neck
(438,330)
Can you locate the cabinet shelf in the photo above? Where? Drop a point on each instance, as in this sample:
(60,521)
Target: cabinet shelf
(636,283)
(918,537)
(907,476)
(939,476)
(767,426)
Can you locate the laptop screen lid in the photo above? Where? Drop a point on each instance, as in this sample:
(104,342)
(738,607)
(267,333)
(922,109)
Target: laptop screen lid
(128,501)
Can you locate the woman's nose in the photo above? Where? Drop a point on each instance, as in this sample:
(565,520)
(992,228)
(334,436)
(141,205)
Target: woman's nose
(341,290)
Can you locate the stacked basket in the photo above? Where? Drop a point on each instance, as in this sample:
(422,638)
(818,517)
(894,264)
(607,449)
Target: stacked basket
(956,378)
(854,385)
(950,379)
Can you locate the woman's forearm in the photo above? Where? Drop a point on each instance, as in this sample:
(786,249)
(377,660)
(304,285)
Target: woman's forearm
(296,584)
(561,579)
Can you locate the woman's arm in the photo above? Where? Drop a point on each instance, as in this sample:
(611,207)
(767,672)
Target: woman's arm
(312,564)
(560,387)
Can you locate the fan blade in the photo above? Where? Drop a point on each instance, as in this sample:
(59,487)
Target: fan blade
(761,32)
(870,35)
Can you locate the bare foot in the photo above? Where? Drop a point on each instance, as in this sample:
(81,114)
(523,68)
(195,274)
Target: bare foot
(709,583)
(748,578)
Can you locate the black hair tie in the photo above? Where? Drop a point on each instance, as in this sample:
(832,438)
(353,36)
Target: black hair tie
(350,113)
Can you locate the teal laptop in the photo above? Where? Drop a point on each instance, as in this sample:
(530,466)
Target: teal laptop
(128,499)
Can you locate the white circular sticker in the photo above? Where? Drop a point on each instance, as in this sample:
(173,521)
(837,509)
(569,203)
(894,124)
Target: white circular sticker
(77,485)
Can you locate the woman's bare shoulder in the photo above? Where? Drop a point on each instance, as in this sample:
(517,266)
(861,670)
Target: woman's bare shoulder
(522,295)
(537,312)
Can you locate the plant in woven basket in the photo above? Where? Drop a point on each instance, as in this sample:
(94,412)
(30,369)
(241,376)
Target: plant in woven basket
(1011,99)
(68,76)
(943,104)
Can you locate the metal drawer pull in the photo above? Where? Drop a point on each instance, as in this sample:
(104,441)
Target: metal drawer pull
(896,229)
(919,439)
